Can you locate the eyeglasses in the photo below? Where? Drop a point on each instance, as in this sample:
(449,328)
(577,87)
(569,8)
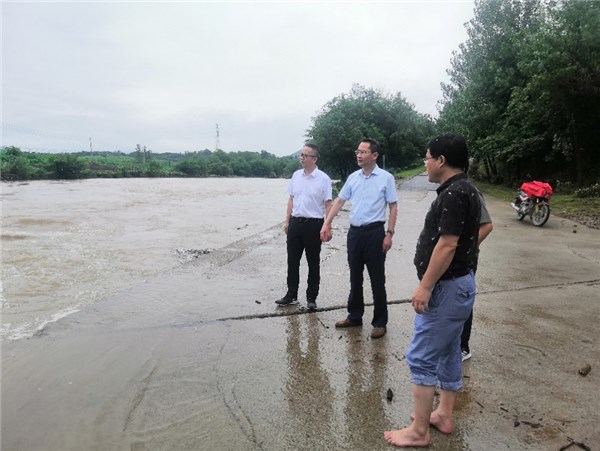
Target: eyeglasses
(425,160)
(361,152)
(305,155)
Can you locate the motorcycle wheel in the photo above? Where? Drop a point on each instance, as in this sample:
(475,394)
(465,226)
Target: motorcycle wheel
(540,215)
(520,216)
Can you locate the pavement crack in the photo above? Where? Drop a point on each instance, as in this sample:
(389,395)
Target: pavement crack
(303,311)
(580,255)
(536,287)
(138,397)
(234,408)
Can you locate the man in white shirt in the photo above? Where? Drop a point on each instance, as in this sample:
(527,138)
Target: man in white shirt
(309,202)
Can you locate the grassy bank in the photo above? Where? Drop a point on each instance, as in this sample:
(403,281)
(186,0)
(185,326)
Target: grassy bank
(585,211)
(582,210)
(409,173)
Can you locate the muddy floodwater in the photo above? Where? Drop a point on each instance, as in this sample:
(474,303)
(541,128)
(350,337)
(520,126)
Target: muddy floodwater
(68,244)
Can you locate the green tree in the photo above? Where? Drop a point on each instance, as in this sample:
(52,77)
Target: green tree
(552,121)
(241,167)
(14,164)
(368,113)
(142,155)
(525,86)
(484,73)
(193,167)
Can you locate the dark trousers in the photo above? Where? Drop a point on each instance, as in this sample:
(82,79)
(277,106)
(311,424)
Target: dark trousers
(466,333)
(304,236)
(365,248)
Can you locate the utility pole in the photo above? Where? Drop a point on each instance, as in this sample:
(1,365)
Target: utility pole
(91,144)
(217,139)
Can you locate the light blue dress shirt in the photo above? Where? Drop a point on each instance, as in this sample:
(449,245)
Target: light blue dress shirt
(369,195)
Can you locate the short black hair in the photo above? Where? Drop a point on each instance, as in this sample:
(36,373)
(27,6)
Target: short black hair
(314,147)
(373,144)
(453,148)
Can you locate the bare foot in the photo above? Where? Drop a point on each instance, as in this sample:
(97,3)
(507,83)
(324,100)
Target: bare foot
(407,437)
(442,424)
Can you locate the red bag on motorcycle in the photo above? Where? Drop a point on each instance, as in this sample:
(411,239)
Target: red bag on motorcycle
(537,189)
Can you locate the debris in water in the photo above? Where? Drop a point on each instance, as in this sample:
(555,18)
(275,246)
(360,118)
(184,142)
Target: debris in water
(188,255)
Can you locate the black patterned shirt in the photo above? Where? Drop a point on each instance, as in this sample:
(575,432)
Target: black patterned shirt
(455,211)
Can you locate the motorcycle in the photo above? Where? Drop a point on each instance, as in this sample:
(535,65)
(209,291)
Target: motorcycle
(534,200)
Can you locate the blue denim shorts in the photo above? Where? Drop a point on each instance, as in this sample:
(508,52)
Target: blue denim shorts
(433,355)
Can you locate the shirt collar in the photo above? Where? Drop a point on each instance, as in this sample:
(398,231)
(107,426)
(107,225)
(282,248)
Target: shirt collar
(376,170)
(312,174)
(451,180)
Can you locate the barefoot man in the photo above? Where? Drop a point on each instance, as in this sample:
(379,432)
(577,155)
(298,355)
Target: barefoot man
(445,258)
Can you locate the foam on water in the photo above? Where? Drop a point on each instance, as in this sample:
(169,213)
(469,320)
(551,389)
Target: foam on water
(66,245)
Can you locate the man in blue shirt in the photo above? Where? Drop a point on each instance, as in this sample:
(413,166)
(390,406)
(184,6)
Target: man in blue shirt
(370,190)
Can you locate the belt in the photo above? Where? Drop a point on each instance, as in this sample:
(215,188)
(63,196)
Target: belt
(300,219)
(455,274)
(369,226)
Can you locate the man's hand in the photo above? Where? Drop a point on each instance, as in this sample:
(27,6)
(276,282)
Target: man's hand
(286,225)
(326,233)
(387,243)
(420,299)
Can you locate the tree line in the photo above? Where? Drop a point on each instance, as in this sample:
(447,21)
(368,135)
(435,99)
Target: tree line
(524,91)
(16,164)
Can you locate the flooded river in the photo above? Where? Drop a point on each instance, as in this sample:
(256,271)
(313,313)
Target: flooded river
(67,244)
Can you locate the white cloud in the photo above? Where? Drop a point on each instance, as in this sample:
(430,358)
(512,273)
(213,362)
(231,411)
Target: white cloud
(163,74)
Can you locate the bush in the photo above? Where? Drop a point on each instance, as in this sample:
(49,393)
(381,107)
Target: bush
(67,167)
(563,187)
(590,191)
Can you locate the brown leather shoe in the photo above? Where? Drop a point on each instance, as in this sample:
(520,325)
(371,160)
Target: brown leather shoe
(347,323)
(378,332)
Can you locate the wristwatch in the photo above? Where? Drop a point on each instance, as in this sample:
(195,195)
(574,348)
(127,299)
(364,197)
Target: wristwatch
(390,231)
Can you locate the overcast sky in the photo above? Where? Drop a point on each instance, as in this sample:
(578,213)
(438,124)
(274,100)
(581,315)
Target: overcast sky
(163,74)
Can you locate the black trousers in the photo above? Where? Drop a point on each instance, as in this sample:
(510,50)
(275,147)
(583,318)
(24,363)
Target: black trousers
(365,249)
(304,236)
(466,333)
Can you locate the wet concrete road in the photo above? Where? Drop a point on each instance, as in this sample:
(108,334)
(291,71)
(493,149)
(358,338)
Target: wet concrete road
(200,358)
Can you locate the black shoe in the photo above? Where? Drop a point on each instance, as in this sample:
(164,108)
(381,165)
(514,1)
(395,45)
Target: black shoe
(311,304)
(287,300)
